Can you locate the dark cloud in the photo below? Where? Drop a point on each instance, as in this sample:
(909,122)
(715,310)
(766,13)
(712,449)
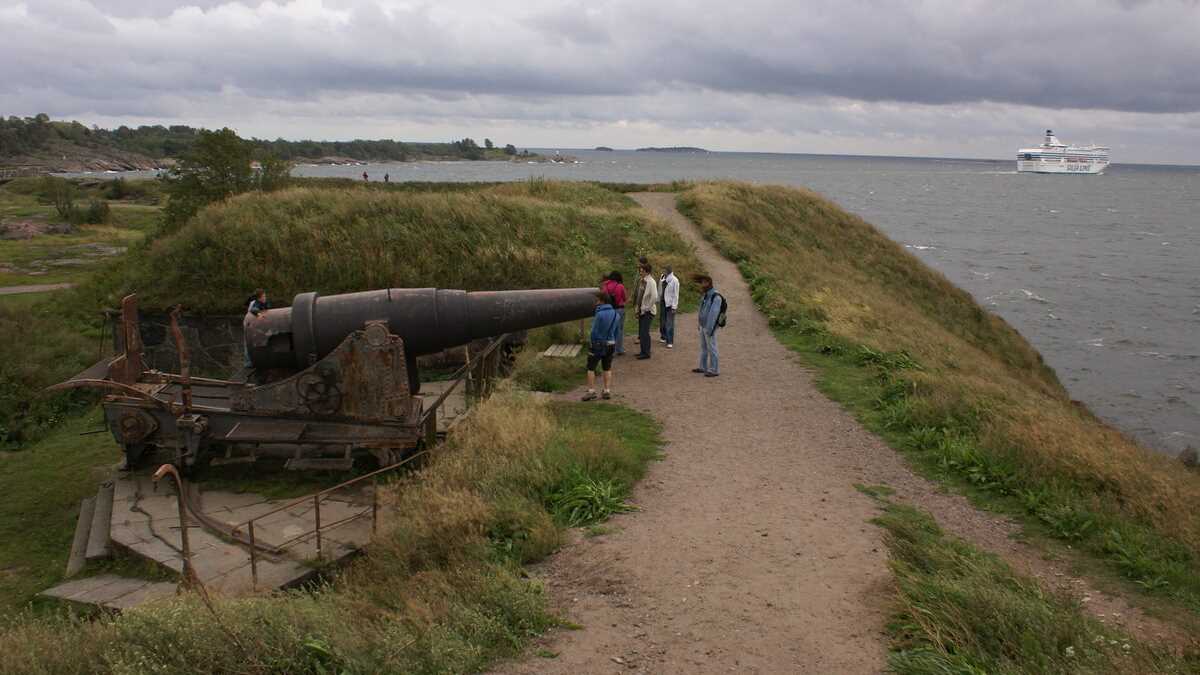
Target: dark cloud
(608,61)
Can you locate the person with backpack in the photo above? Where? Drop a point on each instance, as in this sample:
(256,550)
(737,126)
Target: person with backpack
(712,317)
(605,328)
(614,285)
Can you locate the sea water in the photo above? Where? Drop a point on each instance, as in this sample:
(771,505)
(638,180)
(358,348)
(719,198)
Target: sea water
(1100,273)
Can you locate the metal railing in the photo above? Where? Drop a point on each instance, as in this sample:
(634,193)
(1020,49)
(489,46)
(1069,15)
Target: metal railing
(427,422)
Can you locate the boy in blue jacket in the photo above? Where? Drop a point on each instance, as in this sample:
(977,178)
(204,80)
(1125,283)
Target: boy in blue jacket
(605,325)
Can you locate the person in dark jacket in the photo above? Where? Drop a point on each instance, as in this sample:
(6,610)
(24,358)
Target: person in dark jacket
(605,326)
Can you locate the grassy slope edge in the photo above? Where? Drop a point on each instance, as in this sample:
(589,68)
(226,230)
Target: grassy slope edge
(962,610)
(953,386)
(442,590)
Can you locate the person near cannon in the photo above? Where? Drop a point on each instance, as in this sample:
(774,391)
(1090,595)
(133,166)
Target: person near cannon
(606,325)
(256,306)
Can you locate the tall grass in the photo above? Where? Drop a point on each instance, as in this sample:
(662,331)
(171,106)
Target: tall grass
(940,377)
(961,610)
(441,590)
(519,235)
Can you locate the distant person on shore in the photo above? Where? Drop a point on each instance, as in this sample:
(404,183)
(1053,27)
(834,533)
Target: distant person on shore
(647,307)
(387,177)
(667,307)
(256,306)
(605,328)
(614,285)
(711,304)
(365,177)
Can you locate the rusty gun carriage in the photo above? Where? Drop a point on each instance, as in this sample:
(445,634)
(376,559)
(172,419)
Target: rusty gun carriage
(338,376)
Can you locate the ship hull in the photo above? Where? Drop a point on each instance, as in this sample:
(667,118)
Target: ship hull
(1081,168)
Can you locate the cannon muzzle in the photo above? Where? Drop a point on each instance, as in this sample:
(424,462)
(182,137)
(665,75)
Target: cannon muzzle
(427,319)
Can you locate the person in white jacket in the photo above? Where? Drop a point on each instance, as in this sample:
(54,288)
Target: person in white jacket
(667,307)
(647,307)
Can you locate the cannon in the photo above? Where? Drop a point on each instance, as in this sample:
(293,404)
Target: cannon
(336,376)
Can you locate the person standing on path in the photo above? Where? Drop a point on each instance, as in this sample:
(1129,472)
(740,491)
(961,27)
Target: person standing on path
(647,307)
(605,327)
(711,303)
(668,306)
(614,285)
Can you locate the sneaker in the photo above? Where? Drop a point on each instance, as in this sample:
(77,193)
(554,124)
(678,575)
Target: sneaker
(698,370)
(590,396)
(643,356)
(670,346)
(711,375)
(662,340)
(606,395)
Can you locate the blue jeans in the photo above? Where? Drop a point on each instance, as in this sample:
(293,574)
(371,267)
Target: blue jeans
(621,331)
(666,326)
(708,351)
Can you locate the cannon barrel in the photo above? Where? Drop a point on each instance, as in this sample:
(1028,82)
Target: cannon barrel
(427,319)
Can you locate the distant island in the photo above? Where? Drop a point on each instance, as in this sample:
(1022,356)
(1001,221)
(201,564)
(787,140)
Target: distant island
(604,148)
(676,148)
(53,146)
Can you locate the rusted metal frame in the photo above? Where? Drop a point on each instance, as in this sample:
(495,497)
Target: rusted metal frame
(189,573)
(458,375)
(317,515)
(326,491)
(253,560)
(127,389)
(185,359)
(374,505)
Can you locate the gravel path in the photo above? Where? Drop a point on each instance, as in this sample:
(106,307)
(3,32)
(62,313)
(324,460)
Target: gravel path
(751,551)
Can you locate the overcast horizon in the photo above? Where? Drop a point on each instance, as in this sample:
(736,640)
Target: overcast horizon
(931,79)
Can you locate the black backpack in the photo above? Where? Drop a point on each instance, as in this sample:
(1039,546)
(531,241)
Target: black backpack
(724,309)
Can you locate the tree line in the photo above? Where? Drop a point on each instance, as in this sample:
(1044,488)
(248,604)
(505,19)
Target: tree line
(29,135)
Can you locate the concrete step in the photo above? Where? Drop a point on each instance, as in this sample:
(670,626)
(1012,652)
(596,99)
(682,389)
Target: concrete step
(83,526)
(111,592)
(99,544)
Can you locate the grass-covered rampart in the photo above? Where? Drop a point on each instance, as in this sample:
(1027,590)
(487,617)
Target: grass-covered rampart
(517,235)
(329,239)
(955,387)
(441,590)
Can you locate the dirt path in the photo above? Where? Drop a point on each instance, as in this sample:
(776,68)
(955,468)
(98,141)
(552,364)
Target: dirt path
(751,551)
(33,288)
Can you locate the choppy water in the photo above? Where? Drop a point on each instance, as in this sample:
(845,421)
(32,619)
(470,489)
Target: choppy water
(1100,273)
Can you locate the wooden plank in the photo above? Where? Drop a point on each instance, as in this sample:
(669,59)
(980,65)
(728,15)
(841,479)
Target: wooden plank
(275,431)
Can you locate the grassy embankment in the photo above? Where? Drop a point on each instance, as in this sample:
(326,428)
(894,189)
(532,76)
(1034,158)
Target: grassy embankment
(523,235)
(962,610)
(956,388)
(442,589)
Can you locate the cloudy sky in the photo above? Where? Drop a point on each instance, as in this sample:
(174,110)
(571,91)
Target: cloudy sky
(962,78)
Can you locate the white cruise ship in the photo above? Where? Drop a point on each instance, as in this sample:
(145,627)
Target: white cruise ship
(1054,156)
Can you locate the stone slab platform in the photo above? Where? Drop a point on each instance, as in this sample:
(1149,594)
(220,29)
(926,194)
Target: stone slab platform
(112,592)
